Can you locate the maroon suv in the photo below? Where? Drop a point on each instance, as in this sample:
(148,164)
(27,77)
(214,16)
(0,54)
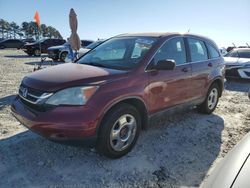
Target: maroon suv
(111,92)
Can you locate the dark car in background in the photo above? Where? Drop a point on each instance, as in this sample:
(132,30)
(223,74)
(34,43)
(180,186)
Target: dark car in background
(85,43)
(34,48)
(61,52)
(110,93)
(11,43)
(28,40)
(238,63)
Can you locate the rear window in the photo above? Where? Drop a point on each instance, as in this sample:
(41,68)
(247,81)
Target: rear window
(212,51)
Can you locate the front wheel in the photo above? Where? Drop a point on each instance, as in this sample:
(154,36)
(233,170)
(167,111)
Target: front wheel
(119,131)
(209,105)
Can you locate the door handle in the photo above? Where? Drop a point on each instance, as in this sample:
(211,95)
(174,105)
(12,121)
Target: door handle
(210,64)
(185,69)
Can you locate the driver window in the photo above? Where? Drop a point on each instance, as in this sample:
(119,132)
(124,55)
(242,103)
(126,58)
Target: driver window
(173,49)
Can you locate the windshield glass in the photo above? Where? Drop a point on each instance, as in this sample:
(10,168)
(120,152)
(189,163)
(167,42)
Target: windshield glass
(94,44)
(232,53)
(119,53)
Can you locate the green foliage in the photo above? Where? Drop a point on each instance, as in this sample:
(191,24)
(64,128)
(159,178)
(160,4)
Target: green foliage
(27,30)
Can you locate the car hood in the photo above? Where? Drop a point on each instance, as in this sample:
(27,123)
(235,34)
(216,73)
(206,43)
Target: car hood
(236,61)
(225,172)
(68,75)
(57,47)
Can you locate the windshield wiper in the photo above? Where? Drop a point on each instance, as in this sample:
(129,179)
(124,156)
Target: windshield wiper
(95,64)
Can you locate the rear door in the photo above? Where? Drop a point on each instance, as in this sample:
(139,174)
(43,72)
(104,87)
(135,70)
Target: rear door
(168,88)
(201,68)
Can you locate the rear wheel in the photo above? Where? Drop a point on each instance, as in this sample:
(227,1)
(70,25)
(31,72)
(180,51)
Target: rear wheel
(63,56)
(209,105)
(119,131)
(37,52)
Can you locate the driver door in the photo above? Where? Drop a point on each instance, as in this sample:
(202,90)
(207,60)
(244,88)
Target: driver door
(168,88)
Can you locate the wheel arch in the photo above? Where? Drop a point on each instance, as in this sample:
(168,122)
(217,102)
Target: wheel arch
(220,82)
(137,102)
(63,51)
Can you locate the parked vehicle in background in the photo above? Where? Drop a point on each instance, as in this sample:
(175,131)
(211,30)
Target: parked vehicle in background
(85,43)
(34,48)
(238,63)
(111,92)
(28,40)
(11,43)
(223,51)
(233,171)
(61,52)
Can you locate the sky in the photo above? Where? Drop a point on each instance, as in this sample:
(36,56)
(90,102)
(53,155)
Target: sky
(224,21)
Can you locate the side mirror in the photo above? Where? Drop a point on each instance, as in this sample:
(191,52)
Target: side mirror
(167,64)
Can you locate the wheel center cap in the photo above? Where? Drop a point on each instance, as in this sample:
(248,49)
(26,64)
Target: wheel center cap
(124,132)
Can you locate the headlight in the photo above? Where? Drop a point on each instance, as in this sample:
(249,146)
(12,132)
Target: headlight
(72,96)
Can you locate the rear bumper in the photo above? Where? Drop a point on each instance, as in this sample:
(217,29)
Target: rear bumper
(59,124)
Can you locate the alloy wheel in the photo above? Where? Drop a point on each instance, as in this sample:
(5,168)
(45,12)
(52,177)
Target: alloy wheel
(123,132)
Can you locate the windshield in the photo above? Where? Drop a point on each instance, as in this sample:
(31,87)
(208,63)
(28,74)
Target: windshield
(94,44)
(119,53)
(233,53)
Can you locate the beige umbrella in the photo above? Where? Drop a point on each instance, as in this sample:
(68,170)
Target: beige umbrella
(74,39)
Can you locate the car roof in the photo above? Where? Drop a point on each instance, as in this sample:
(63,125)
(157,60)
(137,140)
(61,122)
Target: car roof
(241,49)
(165,34)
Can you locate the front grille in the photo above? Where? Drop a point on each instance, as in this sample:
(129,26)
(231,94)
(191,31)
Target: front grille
(31,95)
(36,107)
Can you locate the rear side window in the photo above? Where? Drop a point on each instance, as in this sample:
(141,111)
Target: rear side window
(198,51)
(173,49)
(212,51)
(244,54)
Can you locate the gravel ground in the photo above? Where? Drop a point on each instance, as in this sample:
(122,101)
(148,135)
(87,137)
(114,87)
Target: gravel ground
(178,151)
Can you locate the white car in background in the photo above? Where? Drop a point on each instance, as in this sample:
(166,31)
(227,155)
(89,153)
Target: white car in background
(61,52)
(238,63)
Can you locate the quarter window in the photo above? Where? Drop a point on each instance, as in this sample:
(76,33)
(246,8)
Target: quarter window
(212,51)
(173,49)
(198,51)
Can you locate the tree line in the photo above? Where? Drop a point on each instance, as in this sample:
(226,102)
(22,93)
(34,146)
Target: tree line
(27,30)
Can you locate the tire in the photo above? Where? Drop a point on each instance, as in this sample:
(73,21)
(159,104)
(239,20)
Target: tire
(36,52)
(63,56)
(211,101)
(125,134)
(2,47)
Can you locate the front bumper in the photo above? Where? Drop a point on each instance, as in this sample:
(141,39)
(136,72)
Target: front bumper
(60,123)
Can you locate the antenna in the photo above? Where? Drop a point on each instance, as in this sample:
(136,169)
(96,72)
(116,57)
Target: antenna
(233,44)
(247,45)
(188,30)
